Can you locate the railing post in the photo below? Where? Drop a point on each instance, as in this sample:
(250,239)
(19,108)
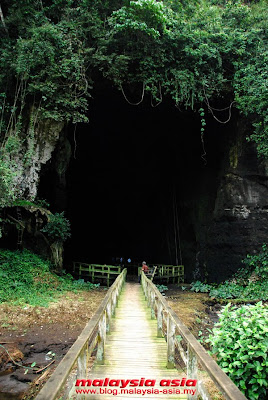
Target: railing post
(148,295)
(152,304)
(101,339)
(192,368)
(108,316)
(170,343)
(113,303)
(116,295)
(145,286)
(159,319)
(82,366)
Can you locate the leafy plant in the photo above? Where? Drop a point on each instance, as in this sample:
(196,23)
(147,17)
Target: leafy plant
(255,265)
(240,341)
(162,288)
(37,203)
(200,287)
(42,203)
(26,278)
(82,284)
(227,290)
(195,52)
(249,283)
(6,183)
(58,227)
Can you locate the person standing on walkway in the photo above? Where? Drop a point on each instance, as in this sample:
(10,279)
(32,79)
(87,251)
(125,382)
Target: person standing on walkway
(144,268)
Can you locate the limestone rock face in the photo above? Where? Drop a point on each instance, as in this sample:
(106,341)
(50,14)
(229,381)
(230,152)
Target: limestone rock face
(41,141)
(239,223)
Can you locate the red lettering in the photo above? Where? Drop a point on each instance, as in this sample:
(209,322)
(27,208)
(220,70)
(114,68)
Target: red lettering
(191,382)
(175,382)
(150,382)
(85,382)
(97,382)
(165,382)
(142,382)
(134,382)
(114,382)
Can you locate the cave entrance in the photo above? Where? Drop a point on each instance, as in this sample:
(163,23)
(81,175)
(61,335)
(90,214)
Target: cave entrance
(137,186)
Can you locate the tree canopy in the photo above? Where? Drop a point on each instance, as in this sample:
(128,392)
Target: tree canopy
(200,53)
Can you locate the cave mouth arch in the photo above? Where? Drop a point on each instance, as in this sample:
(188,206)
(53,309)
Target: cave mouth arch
(135,177)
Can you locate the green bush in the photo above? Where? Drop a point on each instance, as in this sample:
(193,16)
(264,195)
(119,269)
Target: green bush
(257,264)
(227,290)
(200,287)
(25,278)
(240,341)
(249,283)
(162,288)
(58,227)
(26,203)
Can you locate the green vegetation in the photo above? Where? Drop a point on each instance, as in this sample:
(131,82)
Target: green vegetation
(162,288)
(8,170)
(37,203)
(249,283)
(25,278)
(58,227)
(240,341)
(201,53)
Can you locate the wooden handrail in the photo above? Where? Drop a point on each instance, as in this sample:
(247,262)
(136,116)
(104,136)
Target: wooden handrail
(195,351)
(173,273)
(93,334)
(97,271)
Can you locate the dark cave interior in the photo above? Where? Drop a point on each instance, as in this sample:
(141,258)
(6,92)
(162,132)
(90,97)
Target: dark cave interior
(131,170)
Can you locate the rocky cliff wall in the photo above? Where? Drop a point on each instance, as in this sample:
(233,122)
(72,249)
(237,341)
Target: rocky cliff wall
(38,143)
(238,224)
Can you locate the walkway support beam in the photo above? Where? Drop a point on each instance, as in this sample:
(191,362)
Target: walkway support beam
(78,356)
(195,351)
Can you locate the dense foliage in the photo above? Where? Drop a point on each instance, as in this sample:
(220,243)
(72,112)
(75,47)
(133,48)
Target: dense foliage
(249,283)
(25,278)
(199,52)
(240,341)
(58,227)
(162,288)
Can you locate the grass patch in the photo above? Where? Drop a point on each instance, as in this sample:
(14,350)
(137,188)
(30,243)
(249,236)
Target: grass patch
(25,278)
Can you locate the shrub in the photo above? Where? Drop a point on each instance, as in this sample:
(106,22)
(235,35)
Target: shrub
(240,341)
(200,287)
(249,283)
(257,265)
(25,278)
(26,203)
(162,288)
(227,290)
(58,227)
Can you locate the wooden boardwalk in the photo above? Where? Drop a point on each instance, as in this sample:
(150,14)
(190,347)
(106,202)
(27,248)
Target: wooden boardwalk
(133,351)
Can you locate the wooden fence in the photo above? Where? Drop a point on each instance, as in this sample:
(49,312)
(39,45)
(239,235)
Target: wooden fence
(96,272)
(168,273)
(75,363)
(181,343)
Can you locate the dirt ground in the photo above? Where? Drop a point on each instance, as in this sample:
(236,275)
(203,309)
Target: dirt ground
(199,313)
(196,310)
(28,334)
(44,335)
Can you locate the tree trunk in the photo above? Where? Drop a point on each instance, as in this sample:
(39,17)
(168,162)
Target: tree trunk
(57,255)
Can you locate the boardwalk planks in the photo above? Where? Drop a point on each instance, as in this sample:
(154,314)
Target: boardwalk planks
(133,350)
